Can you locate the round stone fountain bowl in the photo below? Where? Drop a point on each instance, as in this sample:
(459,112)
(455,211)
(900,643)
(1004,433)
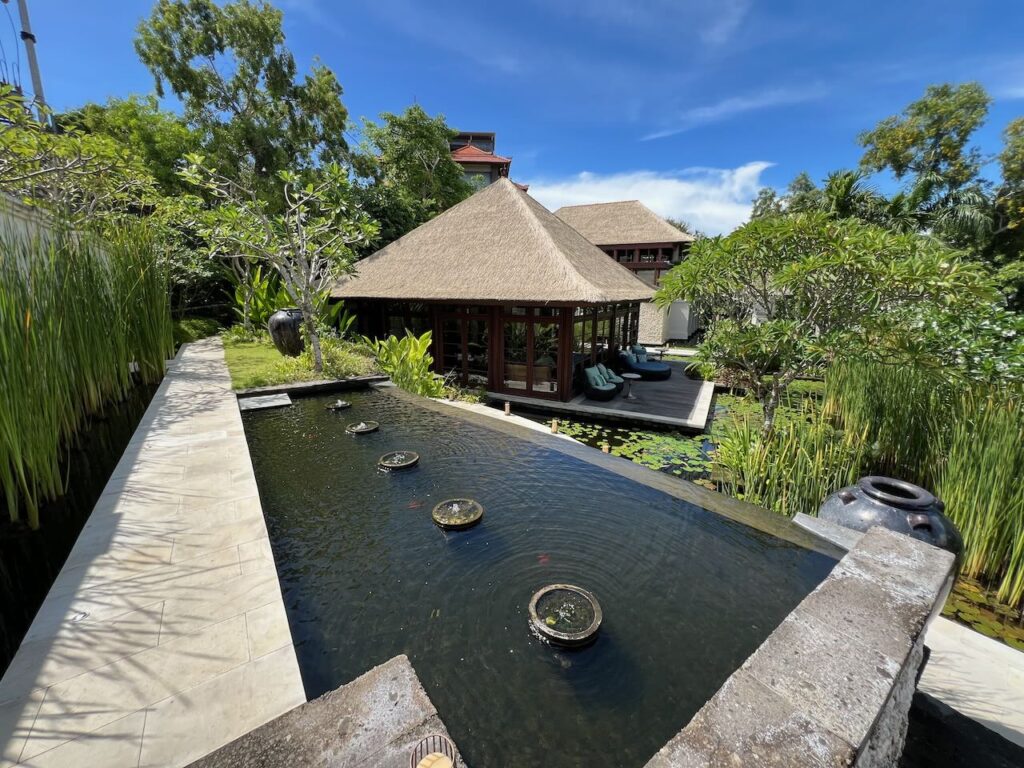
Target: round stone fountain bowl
(457,514)
(338,405)
(362,427)
(565,614)
(398,460)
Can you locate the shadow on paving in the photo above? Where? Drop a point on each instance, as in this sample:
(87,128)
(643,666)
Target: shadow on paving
(940,737)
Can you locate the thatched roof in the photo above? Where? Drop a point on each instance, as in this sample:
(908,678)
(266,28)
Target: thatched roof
(628,222)
(498,245)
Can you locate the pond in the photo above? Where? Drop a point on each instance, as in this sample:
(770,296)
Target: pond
(686,594)
(680,454)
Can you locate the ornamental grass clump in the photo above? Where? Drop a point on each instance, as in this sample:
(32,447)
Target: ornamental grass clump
(793,467)
(959,437)
(76,315)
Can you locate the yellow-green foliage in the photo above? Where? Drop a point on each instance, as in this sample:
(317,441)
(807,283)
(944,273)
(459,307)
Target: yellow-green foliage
(409,363)
(257,363)
(75,314)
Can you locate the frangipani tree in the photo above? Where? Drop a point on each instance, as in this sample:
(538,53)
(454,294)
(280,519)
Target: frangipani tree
(785,295)
(309,242)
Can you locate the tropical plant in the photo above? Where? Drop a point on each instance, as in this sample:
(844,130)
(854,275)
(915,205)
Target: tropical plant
(308,243)
(793,467)
(408,362)
(785,295)
(257,294)
(962,438)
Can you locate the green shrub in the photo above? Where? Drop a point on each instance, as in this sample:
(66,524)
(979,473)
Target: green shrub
(189,329)
(408,362)
(342,360)
(237,334)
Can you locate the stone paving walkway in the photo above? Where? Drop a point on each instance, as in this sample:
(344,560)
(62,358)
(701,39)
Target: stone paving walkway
(165,636)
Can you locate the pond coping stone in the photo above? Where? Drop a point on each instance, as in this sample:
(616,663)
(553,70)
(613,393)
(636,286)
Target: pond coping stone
(376,720)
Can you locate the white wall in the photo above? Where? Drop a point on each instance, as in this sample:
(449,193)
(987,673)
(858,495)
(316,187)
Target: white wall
(657,327)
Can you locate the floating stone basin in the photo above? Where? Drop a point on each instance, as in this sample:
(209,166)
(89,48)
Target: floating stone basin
(362,427)
(399,460)
(565,614)
(457,514)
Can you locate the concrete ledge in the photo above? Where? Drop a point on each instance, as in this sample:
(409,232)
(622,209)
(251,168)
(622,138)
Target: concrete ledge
(832,685)
(314,387)
(375,720)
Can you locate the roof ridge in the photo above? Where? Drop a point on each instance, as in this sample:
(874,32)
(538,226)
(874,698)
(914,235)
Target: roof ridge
(604,202)
(578,276)
(535,223)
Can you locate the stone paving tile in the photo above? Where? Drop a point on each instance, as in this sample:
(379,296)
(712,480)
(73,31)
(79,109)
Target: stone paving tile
(254,555)
(17,716)
(116,745)
(185,727)
(267,627)
(91,700)
(167,617)
(82,647)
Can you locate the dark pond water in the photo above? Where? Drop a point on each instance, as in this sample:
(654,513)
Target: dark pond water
(687,595)
(30,560)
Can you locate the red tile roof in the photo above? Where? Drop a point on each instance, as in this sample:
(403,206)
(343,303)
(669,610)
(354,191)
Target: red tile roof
(471,154)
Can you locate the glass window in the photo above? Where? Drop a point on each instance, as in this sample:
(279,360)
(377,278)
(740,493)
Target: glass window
(451,331)
(515,355)
(477,345)
(545,357)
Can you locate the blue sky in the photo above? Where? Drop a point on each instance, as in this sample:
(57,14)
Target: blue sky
(688,105)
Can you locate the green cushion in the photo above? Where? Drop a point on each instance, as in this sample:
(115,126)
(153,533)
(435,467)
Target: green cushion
(594,377)
(608,375)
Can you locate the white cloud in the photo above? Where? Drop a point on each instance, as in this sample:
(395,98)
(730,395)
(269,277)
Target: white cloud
(736,105)
(715,21)
(729,15)
(715,200)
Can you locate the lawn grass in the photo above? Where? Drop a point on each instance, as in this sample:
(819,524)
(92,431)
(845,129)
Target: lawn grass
(256,363)
(253,364)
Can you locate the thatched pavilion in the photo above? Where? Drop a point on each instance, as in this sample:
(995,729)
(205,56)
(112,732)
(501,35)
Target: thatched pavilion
(516,298)
(647,245)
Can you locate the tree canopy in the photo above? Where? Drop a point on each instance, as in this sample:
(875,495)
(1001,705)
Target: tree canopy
(240,88)
(160,139)
(785,295)
(411,152)
(930,136)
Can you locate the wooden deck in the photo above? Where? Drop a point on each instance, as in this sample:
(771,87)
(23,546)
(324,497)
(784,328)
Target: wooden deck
(678,402)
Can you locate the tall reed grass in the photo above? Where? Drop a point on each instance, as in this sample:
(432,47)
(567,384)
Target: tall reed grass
(75,313)
(803,460)
(962,439)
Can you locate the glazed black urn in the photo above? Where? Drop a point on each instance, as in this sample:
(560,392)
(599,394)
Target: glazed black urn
(285,328)
(894,504)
